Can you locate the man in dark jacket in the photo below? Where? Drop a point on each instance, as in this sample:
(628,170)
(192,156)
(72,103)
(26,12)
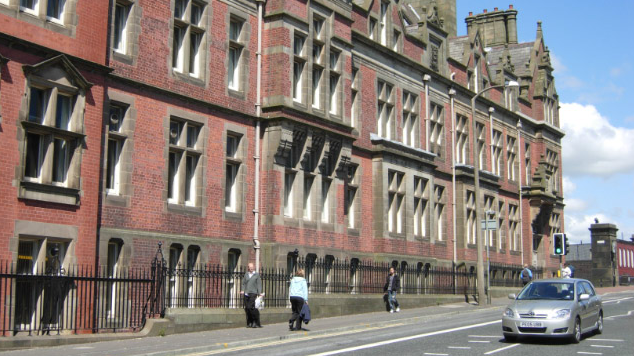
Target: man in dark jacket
(392,285)
(251,288)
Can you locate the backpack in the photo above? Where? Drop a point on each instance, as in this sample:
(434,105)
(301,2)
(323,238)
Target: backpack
(526,276)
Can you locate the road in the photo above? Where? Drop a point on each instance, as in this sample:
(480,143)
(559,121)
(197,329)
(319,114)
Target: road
(474,333)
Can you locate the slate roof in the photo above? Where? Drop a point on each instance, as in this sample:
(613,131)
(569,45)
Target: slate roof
(579,252)
(456,47)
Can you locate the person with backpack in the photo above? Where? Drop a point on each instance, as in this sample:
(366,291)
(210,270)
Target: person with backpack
(526,275)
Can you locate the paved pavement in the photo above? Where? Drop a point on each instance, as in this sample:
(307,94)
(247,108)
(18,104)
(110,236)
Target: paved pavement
(180,344)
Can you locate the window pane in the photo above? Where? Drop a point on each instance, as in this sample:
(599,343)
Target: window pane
(298,45)
(120,20)
(175,132)
(192,135)
(29,4)
(196,13)
(232,146)
(177,53)
(234,30)
(26,257)
(172,183)
(230,182)
(190,180)
(33,155)
(63,112)
(115,118)
(54,8)
(234,69)
(179,8)
(112,171)
(194,54)
(60,160)
(37,107)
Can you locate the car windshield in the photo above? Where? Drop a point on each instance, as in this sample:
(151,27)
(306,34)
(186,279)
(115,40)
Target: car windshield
(548,290)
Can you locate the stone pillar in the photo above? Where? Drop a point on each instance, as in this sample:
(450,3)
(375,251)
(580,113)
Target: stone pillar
(511,26)
(603,237)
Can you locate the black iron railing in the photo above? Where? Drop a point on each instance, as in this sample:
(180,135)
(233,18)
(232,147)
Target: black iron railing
(508,275)
(76,299)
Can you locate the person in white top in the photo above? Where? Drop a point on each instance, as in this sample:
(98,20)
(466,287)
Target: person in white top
(565,272)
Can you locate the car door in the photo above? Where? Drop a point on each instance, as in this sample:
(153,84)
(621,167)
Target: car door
(583,305)
(594,304)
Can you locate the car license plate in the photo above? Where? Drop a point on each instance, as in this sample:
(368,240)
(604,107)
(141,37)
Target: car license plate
(531,324)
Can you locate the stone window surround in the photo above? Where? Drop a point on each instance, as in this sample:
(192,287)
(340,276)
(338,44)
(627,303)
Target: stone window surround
(437,127)
(388,103)
(422,195)
(40,231)
(241,181)
(203,135)
(37,75)
(201,78)
(66,27)
(132,31)
(245,56)
(411,110)
(439,236)
(126,156)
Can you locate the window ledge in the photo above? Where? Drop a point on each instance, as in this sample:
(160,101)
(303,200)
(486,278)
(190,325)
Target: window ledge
(397,235)
(49,193)
(441,242)
(354,232)
(233,216)
(184,209)
(116,200)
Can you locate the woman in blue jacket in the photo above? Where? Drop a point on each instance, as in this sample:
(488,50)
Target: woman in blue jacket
(298,293)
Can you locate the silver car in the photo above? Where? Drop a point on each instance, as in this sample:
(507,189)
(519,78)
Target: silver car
(554,308)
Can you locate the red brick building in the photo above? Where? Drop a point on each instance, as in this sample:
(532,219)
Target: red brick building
(348,135)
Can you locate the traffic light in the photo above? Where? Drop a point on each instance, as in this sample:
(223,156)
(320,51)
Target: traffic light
(566,246)
(559,247)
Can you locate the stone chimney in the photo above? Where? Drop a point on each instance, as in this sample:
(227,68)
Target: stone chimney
(497,27)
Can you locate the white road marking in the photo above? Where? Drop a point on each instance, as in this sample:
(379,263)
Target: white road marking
(501,349)
(83,348)
(429,353)
(480,341)
(413,337)
(460,347)
(610,340)
(487,336)
(589,353)
(608,346)
(620,315)
(618,301)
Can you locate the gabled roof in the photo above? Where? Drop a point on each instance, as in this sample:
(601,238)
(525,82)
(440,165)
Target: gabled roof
(62,63)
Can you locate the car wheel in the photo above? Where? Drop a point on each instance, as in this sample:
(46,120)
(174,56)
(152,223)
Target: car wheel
(599,329)
(510,338)
(576,332)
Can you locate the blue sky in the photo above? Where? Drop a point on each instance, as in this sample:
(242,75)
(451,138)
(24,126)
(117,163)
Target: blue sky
(592,51)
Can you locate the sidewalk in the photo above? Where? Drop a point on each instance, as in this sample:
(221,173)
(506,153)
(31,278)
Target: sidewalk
(180,344)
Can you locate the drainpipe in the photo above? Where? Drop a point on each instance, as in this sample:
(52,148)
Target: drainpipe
(519,145)
(452,93)
(426,79)
(256,157)
(491,110)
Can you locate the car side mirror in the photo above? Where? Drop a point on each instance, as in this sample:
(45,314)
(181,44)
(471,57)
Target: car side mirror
(584,296)
(512,296)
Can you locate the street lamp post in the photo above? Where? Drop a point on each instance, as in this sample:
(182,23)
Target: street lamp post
(476,188)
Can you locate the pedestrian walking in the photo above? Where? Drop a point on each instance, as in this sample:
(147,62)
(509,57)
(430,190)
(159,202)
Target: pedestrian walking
(251,289)
(392,285)
(565,272)
(526,275)
(298,293)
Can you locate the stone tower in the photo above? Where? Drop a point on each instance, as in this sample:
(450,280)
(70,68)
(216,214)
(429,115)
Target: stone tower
(603,254)
(497,28)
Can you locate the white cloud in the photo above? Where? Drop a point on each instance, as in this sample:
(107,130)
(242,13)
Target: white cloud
(575,205)
(576,226)
(569,185)
(592,146)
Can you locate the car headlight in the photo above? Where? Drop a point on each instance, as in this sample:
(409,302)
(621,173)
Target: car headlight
(509,312)
(560,314)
